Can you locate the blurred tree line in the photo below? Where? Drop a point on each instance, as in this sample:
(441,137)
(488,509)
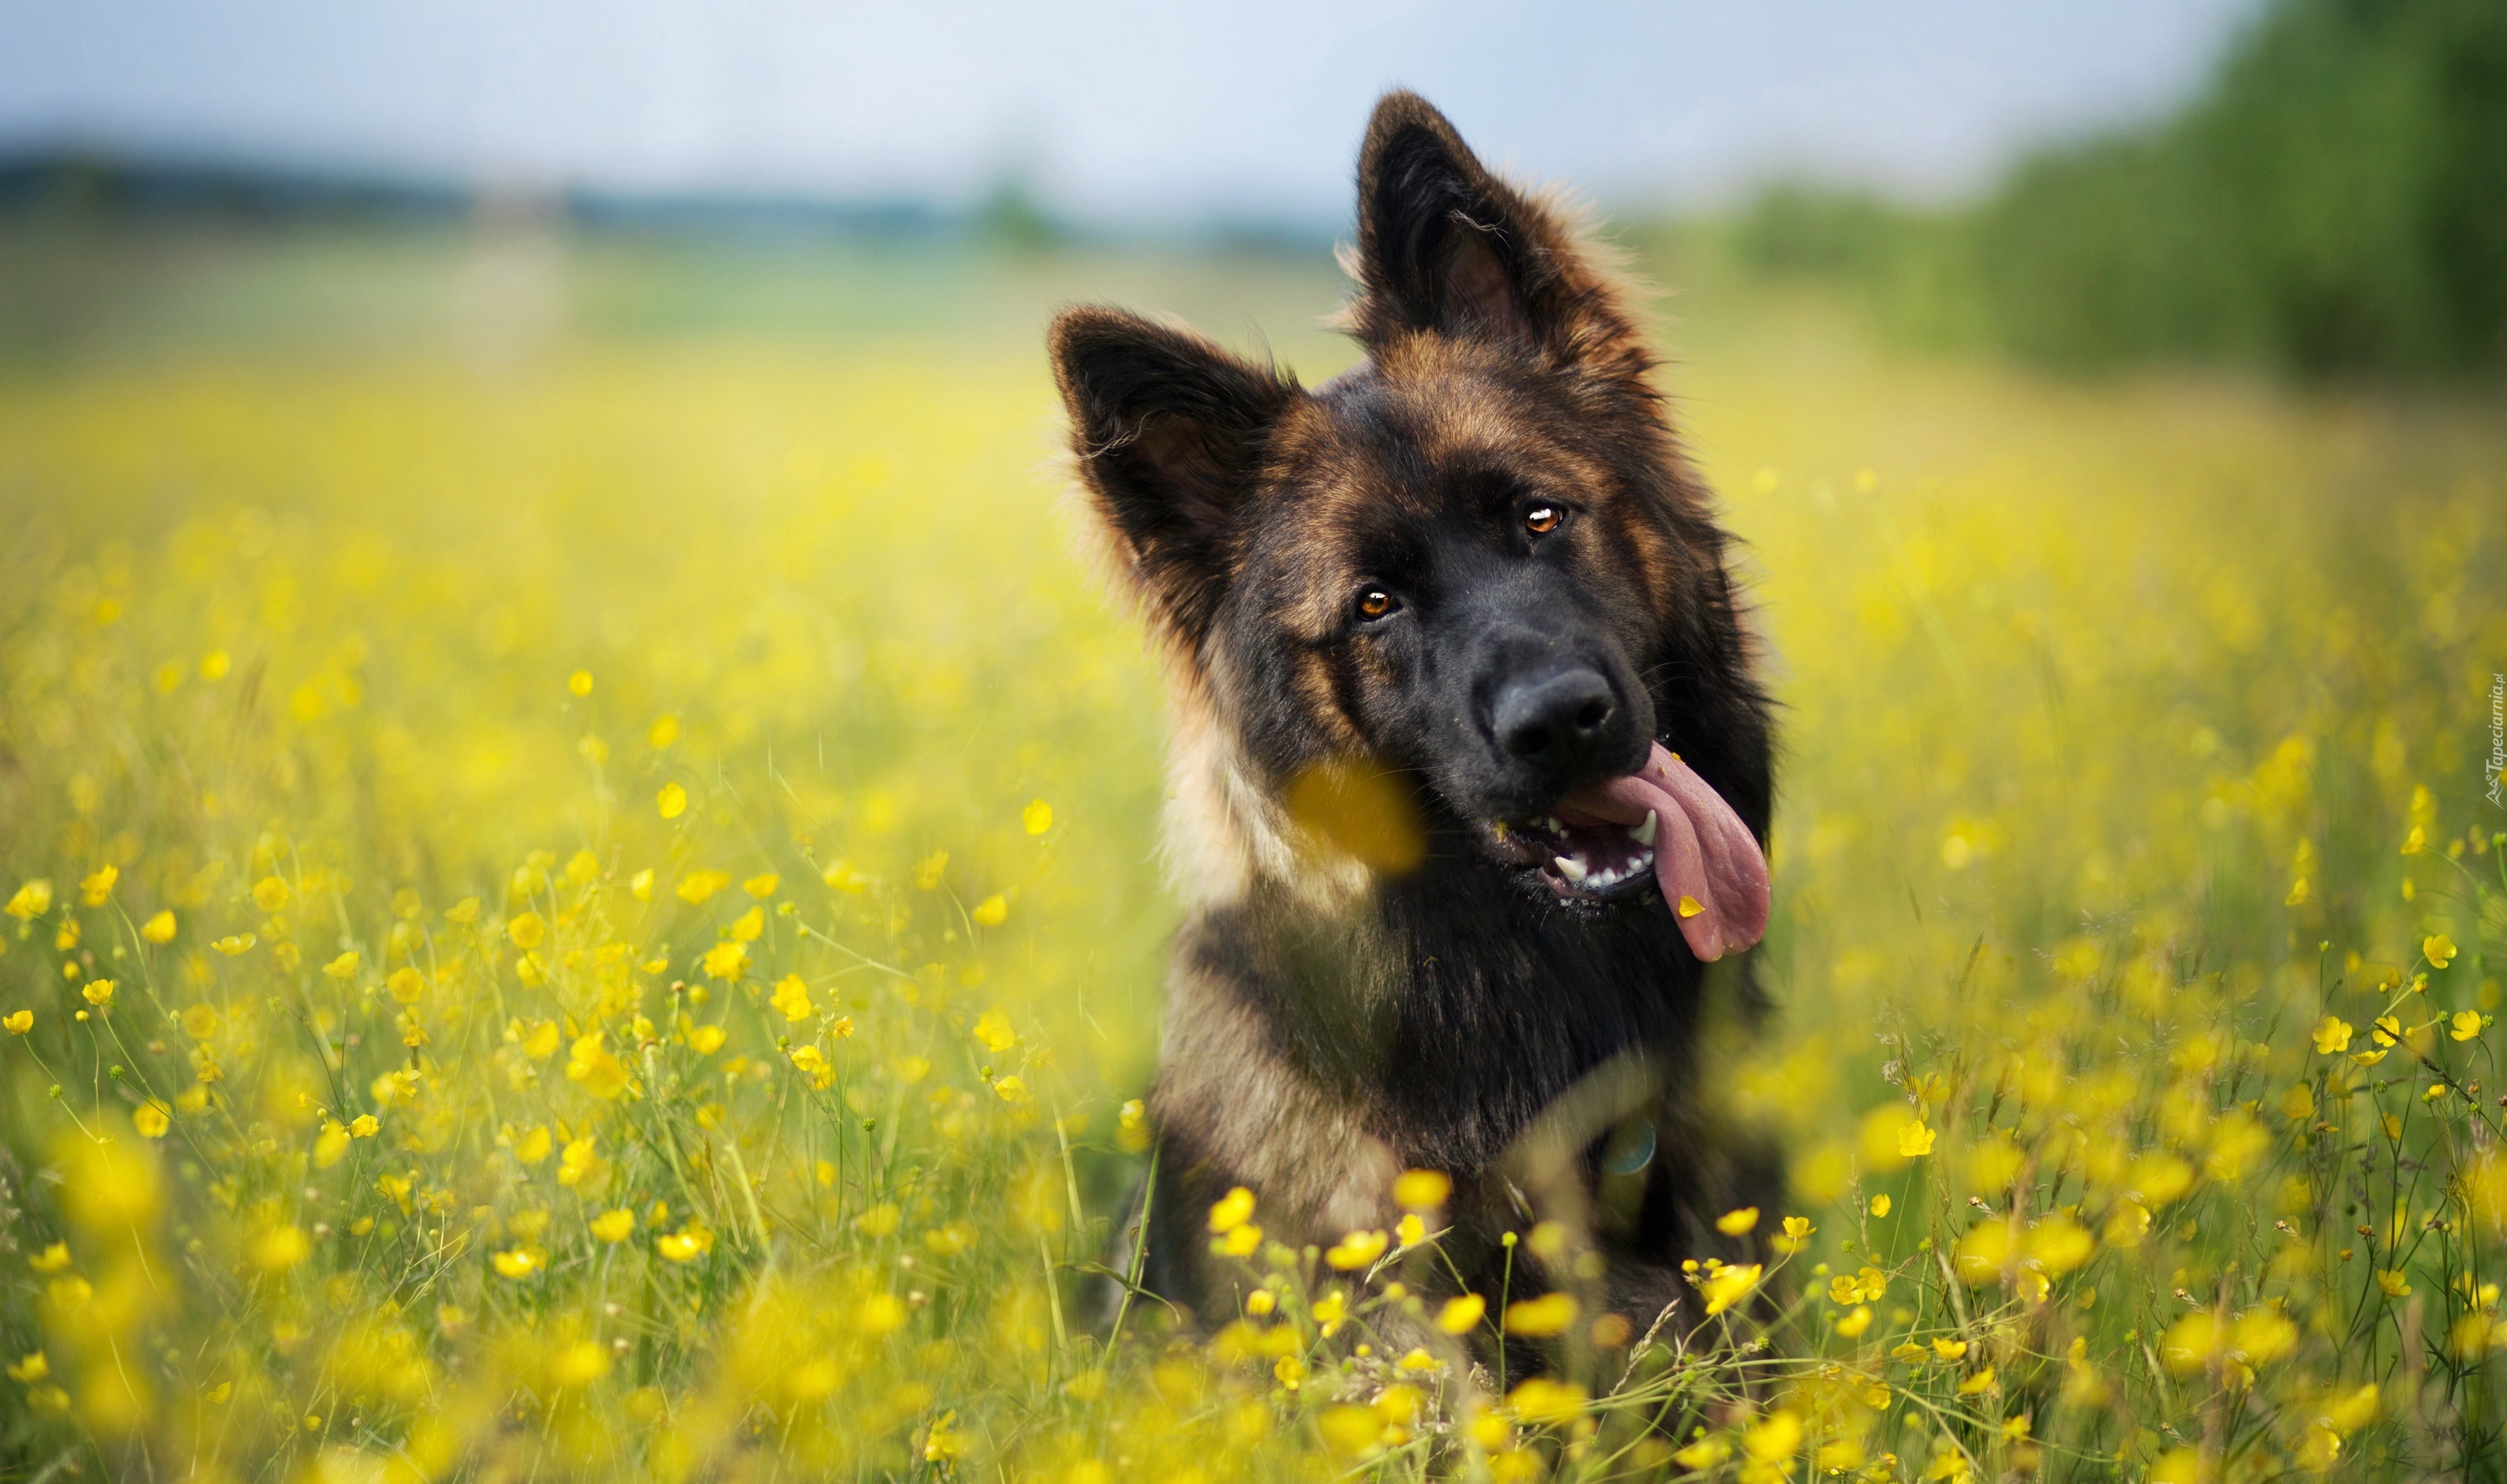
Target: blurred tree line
(2335,204)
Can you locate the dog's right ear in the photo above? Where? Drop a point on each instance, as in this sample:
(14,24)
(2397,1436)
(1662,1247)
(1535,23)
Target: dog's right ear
(1170,431)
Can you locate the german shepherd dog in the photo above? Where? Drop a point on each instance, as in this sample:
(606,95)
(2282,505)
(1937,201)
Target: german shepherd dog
(1473,586)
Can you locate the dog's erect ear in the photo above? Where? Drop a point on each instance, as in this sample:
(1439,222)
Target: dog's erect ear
(1446,248)
(1170,431)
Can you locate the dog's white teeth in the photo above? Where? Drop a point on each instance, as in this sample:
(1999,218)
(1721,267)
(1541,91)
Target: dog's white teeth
(1572,868)
(1642,834)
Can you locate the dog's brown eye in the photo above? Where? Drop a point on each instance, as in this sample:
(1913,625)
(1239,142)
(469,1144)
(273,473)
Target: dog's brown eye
(1542,520)
(1375,602)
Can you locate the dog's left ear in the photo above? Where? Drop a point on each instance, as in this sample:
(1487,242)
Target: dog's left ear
(1445,247)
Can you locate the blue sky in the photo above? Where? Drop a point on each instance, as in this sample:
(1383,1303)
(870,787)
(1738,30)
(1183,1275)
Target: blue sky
(1141,110)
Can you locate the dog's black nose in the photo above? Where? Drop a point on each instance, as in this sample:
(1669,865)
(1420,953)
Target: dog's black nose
(1554,721)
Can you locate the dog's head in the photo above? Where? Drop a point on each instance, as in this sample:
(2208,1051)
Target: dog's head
(1476,564)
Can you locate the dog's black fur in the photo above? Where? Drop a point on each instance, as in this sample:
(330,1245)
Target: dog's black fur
(1358,584)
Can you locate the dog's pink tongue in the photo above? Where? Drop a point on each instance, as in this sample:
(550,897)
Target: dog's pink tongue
(1705,860)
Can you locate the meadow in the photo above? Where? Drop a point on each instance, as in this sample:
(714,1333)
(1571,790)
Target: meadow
(579,850)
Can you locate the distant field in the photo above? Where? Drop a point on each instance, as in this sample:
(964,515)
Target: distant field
(585,900)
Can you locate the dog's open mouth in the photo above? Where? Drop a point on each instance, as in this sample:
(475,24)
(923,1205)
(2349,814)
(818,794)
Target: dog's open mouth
(1663,825)
(1580,854)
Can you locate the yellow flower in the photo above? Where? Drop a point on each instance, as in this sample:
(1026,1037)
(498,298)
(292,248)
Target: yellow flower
(54,1258)
(331,1145)
(1012,1089)
(515,1262)
(20,1022)
(1729,1285)
(1879,1205)
(158,929)
(1774,1437)
(930,869)
(591,1064)
(343,966)
(1331,1309)
(235,944)
(991,911)
(32,902)
(1852,1325)
(671,801)
(269,894)
(1356,1249)
(1950,1350)
(1409,1231)
(580,682)
(539,1039)
(1689,906)
(527,929)
(1702,1455)
(1545,1402)
(364,1126)
(686,1245)
(281,1248)
(1540,1318)
(615,1225)
(1461,1314)
(1233,1210)
(1422,1189)
(706,1040)
(1915,1140)
(1038,816)
(2466,1024)
(95,889)
(100,993)
(534,1146)
(2332,1035)
(1979,1382)
(792,996)
(2438,948)
(2395,1284)
(2388,1030)
(1736,1223)
(727,959)
(152,1119)
(762,886)
(581,1163)
(993,1028)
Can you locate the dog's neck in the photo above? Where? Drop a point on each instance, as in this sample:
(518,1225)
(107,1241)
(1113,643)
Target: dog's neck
(1448,1003)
